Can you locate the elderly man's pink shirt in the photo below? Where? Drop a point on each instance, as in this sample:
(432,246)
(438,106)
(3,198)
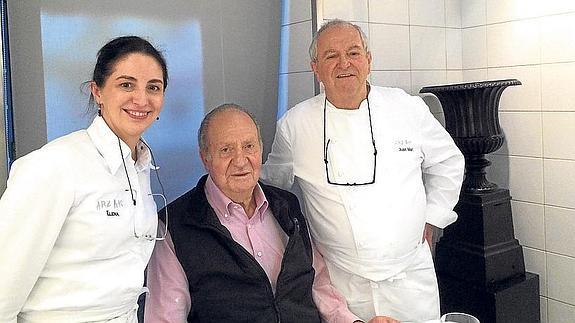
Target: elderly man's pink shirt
(169,299)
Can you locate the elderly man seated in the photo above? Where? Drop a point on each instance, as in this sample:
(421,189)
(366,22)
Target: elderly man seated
(237,250)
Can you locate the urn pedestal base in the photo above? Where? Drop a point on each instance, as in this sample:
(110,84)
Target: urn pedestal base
(514,300)
(480,264)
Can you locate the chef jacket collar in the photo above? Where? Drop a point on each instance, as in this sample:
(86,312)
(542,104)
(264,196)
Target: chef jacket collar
(332,108)
(106,143)
(362,105)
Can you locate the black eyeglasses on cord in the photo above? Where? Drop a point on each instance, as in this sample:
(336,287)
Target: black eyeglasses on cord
(326,147)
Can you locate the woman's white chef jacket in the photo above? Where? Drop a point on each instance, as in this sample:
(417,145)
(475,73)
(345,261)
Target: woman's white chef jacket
(68,252)
(373,230)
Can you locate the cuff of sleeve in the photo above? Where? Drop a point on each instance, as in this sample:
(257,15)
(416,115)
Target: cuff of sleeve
(439,217)
(344,316)
(350,317)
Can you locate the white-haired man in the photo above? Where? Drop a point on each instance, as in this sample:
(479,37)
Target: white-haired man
(376,172)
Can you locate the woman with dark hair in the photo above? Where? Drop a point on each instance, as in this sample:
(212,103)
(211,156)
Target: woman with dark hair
(78,219)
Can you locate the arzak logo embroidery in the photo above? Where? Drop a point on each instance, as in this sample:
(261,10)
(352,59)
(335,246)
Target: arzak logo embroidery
(111,206)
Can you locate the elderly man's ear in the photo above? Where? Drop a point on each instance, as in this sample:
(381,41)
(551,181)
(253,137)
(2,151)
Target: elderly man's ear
(205,159)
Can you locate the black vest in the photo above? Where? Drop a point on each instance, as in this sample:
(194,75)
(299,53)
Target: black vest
(226,283)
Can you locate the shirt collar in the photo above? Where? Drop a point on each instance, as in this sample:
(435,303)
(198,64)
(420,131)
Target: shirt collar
(114,150)
(222,204)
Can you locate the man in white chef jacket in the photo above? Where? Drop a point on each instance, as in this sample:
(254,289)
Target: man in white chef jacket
(377,172)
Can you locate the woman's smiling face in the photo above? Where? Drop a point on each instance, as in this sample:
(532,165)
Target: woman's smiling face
(131,97)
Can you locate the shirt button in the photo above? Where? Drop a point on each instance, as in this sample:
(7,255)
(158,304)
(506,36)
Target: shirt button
(226,215)
(250,226)
(259,253)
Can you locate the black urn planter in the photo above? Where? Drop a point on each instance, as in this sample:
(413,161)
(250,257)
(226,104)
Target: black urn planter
(479,262)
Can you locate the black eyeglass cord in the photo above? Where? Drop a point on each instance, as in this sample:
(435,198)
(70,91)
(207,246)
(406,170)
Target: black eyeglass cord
(371,130)
(156,168)
(126,169)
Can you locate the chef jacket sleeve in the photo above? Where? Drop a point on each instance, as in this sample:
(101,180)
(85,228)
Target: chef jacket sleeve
(278,169)
(443,168)
(33,209)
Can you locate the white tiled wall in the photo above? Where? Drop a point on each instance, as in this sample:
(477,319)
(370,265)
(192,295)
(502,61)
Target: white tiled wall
(389,12)
(559,223)
(535,262)
(429,42)
(427,48)
(296,81)
(529,224)
(557,85)
(391,42)
(414,43)
(519,142)
(454,48)
(559,312)
(557,32)
(474,47)
(526,97)
(352,10)
(513,43)
(297,86)
(533,41)
(427,13)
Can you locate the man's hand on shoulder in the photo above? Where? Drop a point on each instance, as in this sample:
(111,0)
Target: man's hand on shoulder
(383,319)
(380,319)
(428,234)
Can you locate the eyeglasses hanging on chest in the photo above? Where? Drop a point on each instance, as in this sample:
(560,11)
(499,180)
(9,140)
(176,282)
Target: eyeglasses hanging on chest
(158,197)
(326,147)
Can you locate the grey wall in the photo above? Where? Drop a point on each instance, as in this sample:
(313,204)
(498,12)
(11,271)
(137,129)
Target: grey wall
(218,51)
(3,162)
(251,58)
(27,75)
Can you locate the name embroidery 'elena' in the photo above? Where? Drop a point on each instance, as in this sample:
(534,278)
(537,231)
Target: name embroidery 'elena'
(112,213)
